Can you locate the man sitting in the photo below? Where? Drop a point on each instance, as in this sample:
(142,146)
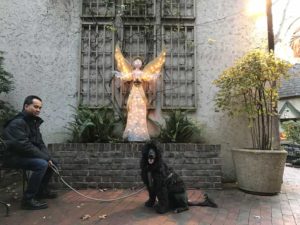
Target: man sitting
(26,150)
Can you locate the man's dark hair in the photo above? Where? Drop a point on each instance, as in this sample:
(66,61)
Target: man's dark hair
(29,99)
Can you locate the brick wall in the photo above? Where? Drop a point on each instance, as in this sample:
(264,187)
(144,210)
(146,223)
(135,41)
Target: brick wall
(104,165)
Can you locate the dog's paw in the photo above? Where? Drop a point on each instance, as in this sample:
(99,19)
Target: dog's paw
(149,203)
(179,210)
(160,209)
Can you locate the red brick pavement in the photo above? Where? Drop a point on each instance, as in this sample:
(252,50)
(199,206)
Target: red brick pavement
(235,207)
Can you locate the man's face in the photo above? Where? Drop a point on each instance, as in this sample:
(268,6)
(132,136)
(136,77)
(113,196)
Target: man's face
(34,108)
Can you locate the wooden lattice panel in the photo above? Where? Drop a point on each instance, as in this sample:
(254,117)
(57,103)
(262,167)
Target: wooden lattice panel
(96,64)
(137,42)
(138,8)
(142,28)
(178,8)
(179,77)
(98,8)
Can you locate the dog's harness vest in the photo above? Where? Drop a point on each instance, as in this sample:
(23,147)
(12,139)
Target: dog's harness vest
(150,179)
(170,175)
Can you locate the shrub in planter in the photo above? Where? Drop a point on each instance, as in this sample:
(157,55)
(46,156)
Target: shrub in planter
(250,88)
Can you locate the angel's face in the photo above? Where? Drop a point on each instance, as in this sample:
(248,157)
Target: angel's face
(137,63)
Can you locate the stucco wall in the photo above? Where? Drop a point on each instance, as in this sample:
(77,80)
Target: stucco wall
(224,32)
(42,40)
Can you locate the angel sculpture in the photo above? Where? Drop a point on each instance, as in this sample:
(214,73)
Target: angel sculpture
(136,125)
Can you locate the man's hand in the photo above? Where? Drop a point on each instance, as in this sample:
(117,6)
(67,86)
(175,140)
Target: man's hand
(50,163)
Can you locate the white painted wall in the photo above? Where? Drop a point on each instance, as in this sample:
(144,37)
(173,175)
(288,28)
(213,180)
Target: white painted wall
(219,43)
(42,44)
(41,41)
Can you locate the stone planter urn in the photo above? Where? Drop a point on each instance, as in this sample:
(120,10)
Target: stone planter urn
(259,171)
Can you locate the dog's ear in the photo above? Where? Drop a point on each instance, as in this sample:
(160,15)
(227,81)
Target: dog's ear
(145,150)
(144,153)
(147,147)
(158,153)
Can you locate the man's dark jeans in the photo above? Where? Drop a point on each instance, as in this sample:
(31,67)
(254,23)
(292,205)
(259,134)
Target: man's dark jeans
(39,179)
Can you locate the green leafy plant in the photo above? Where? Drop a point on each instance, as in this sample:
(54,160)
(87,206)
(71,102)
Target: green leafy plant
(178,127)
(250,87)
(93,125)
(292,130)
(6,85)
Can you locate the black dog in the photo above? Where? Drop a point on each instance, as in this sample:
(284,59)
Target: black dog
(162,182)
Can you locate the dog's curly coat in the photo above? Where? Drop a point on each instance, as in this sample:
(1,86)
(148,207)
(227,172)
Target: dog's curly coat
(164,184)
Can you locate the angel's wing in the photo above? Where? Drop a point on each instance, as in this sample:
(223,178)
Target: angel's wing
(154,67)
(122,64)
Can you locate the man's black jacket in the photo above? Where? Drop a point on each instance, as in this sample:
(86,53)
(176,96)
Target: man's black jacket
(23,139)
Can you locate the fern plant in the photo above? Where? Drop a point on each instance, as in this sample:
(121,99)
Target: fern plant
(178,127)
(93,125)
(6,85)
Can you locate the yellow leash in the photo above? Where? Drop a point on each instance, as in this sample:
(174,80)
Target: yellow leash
(55,169)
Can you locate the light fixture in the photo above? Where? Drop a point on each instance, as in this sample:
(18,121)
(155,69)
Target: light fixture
(256,8)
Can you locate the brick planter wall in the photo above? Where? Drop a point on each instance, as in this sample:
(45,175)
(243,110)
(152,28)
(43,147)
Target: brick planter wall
(105,165)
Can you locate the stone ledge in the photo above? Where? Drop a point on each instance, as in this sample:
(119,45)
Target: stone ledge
(104,165)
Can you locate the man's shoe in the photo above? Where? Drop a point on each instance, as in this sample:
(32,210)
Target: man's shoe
(32,204)
(46,194)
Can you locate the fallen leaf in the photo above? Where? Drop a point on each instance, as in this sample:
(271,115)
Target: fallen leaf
(102,190)
(257,217)
(103,216)
(85,217)
(211,41)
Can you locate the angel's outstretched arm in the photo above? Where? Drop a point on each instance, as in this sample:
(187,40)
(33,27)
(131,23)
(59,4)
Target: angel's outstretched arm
(152,69)
(124,67)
